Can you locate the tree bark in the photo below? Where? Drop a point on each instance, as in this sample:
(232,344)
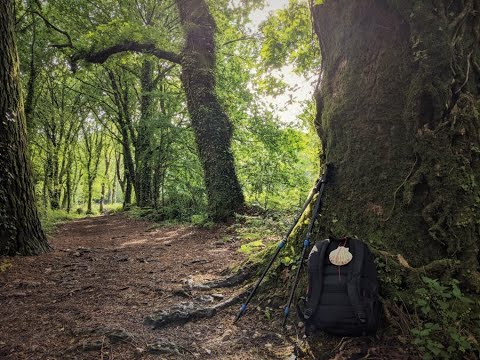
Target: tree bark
(68,188)
(212,128)
(20,228)
(31,77)
(89,196)
(124,122)
(397,113)
(143,148)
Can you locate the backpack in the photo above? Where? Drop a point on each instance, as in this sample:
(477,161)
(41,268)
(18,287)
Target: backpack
(341,300)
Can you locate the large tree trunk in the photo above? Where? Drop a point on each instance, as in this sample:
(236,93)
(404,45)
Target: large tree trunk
(398,108)
(20,229)
(213,130)
(31,77)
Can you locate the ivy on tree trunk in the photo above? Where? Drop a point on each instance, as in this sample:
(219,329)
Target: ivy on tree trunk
(213,130)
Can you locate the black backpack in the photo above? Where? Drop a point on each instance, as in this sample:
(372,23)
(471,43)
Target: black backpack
(341,300)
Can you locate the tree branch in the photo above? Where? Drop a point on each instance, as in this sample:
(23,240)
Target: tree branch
(57,29)
(99,57)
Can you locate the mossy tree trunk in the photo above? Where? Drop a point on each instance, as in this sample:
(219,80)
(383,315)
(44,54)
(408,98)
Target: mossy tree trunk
(398,115)
(212,128)
(20,229)
(143,146)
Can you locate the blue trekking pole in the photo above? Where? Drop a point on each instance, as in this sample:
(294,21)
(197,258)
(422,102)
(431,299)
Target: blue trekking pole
(317,189)
(306,244)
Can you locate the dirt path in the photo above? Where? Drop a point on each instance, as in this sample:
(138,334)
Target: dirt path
(89,297)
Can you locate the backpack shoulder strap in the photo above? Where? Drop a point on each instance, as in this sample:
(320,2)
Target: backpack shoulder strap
(353,285)
(316,263)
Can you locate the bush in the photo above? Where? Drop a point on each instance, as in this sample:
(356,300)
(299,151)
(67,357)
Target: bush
(446,321)
(113,208)
(202,220)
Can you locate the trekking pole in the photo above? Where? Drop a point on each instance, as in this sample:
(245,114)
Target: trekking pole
(306,244)
(280,246)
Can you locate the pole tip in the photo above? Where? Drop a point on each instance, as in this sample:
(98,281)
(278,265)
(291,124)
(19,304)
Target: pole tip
(243,308)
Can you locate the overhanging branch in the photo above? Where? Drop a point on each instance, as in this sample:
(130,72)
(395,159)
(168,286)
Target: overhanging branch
(99,57)
(57,29)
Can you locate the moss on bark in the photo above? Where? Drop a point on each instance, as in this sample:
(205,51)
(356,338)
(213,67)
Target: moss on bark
(20,229)
(398,116)
(213,130)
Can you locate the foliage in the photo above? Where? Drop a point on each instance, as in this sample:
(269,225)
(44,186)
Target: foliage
(202,220)
(288,39)
(447,318)
(92,137)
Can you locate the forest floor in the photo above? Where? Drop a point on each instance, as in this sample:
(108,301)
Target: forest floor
(89,297)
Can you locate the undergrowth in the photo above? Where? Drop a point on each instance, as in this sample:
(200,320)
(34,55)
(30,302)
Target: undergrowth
(52,218)
(447,321)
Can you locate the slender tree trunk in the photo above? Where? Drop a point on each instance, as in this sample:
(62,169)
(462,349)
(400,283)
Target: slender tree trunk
(127,201)
(129,171)
(124,120)
(121,180)
(398,117)
(77,177)
(143,148)
(52,179)
(20,228)
(102,197)
(64,198)
(89,196)
(105,175)
(114,191)
(68,190)
(213,130)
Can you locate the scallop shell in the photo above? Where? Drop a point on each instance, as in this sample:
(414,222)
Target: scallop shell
(340,256)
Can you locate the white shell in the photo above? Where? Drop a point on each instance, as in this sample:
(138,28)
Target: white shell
(340,256)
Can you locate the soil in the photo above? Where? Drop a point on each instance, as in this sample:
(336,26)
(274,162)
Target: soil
(89,297)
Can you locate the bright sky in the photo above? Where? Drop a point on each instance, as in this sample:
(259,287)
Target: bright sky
(303,88)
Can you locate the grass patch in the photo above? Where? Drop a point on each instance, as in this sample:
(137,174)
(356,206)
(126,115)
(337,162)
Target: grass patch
(52,218)
(251,246)
(113,208)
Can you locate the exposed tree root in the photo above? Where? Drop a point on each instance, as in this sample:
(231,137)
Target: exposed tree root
(234,280)
(440,269)
(185,312)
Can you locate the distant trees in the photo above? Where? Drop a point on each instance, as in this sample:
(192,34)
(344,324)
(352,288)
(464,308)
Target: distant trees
(20,229)
(210,123)
(171,111)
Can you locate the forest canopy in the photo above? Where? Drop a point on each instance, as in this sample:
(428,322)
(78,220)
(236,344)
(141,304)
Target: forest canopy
(108,118)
